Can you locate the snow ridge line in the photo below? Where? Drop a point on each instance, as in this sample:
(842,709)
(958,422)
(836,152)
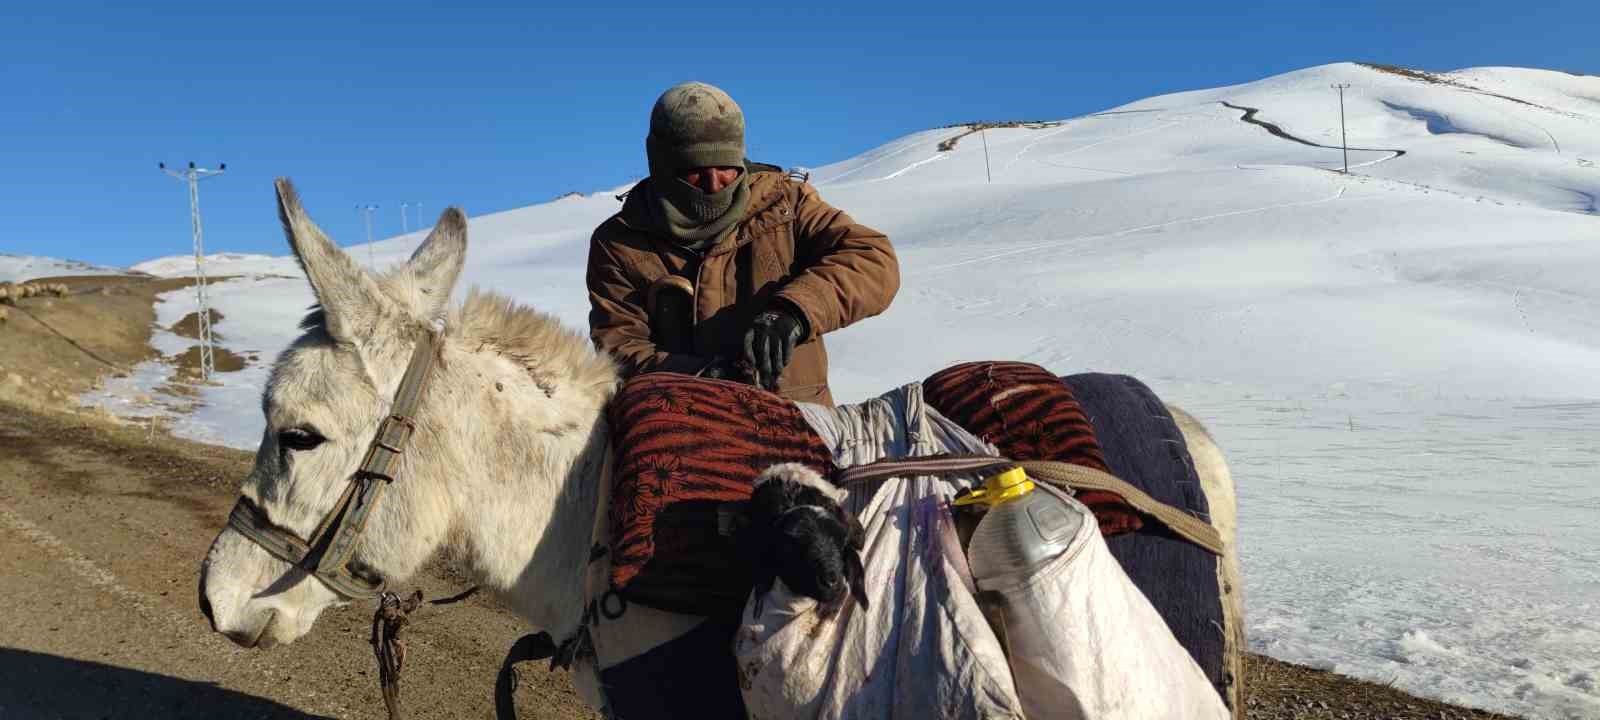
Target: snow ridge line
(1250,117)
(1127,231)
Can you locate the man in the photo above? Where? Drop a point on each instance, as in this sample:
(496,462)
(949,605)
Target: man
(726,269)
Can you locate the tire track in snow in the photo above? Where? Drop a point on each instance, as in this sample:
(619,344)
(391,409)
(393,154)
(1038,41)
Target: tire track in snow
(1098,143)
(1553,141)
(868,164)
(1250,117)
(912,166)
(1065,126)
(1119,233)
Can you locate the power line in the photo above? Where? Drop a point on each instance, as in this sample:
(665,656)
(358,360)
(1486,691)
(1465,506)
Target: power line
(366,212)
(193,175)
(987,177)
(405,217)
(1344,144)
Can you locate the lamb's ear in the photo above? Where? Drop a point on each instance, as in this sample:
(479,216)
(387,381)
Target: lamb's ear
(351,301)
(437,263)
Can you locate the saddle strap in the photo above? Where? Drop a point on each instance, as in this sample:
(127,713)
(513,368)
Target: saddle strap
(1079,477)
(939,466)
(1064,475)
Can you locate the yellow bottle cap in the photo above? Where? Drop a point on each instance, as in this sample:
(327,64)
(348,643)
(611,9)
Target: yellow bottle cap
(1008,485)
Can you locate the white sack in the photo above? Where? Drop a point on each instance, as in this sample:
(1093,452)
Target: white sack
(1094,646)
(1085,643)
(921,650)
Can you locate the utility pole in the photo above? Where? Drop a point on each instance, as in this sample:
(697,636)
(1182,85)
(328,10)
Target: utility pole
(1343,142)
(404,221)
(193,175)
(366,212)
(985,135)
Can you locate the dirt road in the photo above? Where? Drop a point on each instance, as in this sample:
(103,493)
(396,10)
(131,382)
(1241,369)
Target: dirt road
(101,532)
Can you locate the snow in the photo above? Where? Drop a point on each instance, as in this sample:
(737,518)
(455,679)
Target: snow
(1400,362)
(220,265)
(19,268)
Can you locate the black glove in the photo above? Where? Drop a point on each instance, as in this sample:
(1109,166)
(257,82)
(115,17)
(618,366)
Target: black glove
(769,344)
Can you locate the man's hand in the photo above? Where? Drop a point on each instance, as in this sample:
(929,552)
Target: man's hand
(769,343)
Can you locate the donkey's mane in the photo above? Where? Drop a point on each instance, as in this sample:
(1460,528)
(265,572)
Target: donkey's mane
(490,322)
(551,352)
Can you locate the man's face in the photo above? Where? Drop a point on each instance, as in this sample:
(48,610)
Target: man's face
(711,180)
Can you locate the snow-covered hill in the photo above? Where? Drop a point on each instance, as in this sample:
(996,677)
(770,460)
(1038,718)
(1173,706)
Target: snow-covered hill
(1401,362)
(221,265)
(18,268)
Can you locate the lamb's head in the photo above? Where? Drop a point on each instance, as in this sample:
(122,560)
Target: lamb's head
(797,531)
(327,394)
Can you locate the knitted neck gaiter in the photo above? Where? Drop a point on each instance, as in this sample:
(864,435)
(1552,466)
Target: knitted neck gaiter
(690,217)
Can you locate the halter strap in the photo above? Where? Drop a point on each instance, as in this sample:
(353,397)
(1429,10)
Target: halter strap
(328,553)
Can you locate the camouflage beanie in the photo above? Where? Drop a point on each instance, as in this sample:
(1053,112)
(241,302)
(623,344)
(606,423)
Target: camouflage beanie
(694,125)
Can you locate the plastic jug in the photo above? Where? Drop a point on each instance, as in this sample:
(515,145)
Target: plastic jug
(1022,530)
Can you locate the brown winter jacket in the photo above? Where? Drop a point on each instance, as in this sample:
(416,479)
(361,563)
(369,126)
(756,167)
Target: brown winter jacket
(802,250)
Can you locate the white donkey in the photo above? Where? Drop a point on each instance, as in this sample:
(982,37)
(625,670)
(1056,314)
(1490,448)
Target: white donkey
(507,467)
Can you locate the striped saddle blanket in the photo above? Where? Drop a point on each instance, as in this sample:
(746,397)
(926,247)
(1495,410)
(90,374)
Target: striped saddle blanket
(686,447)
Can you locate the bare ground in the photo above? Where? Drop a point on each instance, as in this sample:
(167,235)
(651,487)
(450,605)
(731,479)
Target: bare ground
(189,325)
(103,525)
(53,349)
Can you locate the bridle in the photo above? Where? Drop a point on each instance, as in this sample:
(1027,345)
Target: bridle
(328,553)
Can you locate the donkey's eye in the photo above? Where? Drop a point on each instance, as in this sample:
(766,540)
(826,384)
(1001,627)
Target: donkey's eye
(299,439)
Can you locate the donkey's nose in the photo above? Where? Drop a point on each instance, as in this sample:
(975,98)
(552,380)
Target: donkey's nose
(205,604)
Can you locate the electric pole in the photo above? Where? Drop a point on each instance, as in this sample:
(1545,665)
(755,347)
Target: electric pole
(366,212)
(404,221)
(193,175)
(982,134)
(1343,142)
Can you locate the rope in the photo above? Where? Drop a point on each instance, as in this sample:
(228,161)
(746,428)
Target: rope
(536,646)
(392,616)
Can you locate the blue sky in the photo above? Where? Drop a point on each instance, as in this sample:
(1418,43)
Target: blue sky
(494,107)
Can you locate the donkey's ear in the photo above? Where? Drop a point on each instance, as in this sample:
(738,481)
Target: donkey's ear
(350,298)
(437,263)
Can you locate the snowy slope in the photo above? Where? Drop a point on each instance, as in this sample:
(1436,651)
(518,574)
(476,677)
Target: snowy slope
(221,265)
(18,268)
(1400,362)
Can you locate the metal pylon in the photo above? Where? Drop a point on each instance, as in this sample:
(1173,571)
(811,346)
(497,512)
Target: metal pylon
(193,175)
